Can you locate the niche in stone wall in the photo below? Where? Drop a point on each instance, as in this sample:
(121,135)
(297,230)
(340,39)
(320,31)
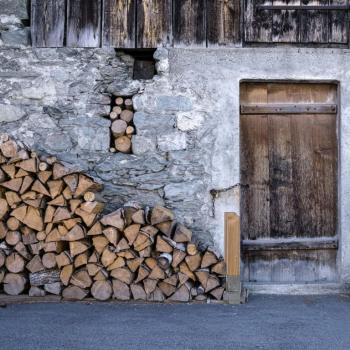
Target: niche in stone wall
(122,127)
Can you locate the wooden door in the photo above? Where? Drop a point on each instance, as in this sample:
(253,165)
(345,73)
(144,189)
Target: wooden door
(289,165)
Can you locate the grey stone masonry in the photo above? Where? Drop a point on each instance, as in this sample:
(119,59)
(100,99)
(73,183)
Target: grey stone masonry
(13,14)
(57,101)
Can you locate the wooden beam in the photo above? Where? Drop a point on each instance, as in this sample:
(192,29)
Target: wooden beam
(290,244)
(232,244)
(270,108)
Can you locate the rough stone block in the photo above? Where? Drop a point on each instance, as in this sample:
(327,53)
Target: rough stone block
(10,113)
(187,121)
(142,144)
(183,190)
(38,92)
(150,124)
(15,38)
(175,141)
(58,142)
(18,8)
(92,138)
(173,103)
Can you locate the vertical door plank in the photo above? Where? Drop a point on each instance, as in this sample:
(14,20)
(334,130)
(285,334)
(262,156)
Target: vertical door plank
(154,23)
(189,23)
(303,175)
(257,23)
(223,22)
(285,26)
(48,22)
(314,26)
(325,162)
(282,206)
(84,23)
(119,23)
(339,24)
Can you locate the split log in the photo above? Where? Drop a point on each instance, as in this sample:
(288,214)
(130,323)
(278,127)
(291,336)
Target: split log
(49,260)
(181,295)
(123,144)
(121,291)
(14,283)
(36,292)
(15,263)
(101,290)
(161,214)
(13,237)
(35,265)
(53,288)
(66,274)
(123,274)
(74,293)
(44,277)
(118,128)
(138,292)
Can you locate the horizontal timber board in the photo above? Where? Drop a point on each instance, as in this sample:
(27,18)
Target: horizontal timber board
(269,108)
(303,7)
(290,244)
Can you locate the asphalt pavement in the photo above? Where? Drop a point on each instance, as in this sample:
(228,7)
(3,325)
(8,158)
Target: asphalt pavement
(265,322)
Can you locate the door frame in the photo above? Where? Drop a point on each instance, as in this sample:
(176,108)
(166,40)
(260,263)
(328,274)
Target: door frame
(306,288)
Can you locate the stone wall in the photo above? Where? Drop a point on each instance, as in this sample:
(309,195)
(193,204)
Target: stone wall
(57,101)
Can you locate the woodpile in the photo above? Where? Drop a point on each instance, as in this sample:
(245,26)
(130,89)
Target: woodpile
(122,127)
(55,240)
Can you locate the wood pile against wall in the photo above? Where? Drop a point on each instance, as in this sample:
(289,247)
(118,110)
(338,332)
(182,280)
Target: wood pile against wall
(54,239)
(122,127)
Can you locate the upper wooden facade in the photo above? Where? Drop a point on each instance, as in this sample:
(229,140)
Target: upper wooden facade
(189,23)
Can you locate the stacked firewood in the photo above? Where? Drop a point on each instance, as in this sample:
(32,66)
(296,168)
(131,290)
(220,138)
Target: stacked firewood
(53,239)
(122,127)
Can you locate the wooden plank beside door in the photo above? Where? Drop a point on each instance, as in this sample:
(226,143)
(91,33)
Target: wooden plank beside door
(189,23)
(119,23)
(48,22)
(154,23)
(223,22)
(84,23)
(232,244)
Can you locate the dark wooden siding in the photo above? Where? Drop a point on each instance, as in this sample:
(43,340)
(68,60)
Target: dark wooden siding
(296,26)
(48,22)
(84,23)
(187,23)
(135,23)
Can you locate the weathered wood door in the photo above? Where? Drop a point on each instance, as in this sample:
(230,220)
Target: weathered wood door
(289,162)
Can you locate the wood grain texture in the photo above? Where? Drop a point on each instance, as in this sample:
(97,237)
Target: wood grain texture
(223,22)
(189,23)
(48,22)
(314,26)
(154,23)
(84,23)
(258,24)
(291,159)
(232,244)
(339,24)
(119,23)
(285,23)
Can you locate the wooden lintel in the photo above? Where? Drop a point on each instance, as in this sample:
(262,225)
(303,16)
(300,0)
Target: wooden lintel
(269,108)
(290,244)
(303,7)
